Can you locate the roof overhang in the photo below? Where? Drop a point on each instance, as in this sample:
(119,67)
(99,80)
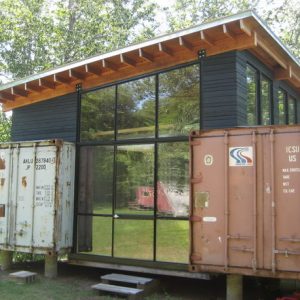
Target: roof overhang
(238,32)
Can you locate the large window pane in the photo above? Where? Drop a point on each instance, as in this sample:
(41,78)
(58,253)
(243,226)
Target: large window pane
(173,179)
(251,76)
(96,179)
(172,241)
(281,107)
(179,101)
(133,239)
(135,175)
(292,110)
(136,109)
(98,115)
(97,236)
(265,105)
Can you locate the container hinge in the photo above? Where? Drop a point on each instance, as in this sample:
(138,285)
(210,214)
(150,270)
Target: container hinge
(195,219)
(242,249)
(196,180)
(196,257)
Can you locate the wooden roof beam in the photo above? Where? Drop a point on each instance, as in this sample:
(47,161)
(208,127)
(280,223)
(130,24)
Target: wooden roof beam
(7,96)
(146,56)
(163,48)
(127,61)
(19,92)
(93,70)
(109,65)
(59,79)
(283,74)
(47,84)
(245,28)
(227,32)
(206,39)
(29,86)
(76,75)
(185,44)
(272,52)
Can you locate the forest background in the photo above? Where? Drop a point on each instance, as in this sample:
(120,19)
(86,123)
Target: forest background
(36,35)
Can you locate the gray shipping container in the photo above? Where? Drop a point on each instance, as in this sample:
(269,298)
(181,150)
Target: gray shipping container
(37,196)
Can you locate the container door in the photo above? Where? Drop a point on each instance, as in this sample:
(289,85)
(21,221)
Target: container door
(282,213)
(5,181)
(224,200)
(24,198)
(46,200)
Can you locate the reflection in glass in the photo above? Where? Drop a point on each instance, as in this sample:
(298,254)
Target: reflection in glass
(281,107)
(97,236)
(133,239)
(265,104)
(173,179)
(251,76)
(172,241)
(135,172)
(292,110)
(97,115)
(179,95)
(96,179)
(136,108)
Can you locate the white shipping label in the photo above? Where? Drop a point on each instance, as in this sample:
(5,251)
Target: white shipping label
(240,156)
(209,219)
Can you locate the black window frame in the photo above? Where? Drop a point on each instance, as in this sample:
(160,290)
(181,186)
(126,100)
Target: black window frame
(156,141)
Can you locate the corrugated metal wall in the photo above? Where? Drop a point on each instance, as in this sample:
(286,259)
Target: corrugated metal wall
(46,120)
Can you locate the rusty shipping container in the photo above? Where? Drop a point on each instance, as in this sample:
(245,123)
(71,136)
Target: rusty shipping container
(245,201)
(37,196)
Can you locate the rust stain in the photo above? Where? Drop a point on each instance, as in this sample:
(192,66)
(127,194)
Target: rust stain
(2,181)
(24,182)
(2,164)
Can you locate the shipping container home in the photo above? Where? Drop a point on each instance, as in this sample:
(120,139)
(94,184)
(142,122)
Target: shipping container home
(130,113)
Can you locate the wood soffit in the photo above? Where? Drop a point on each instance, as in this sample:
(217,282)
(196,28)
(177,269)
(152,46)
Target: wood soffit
(237,34)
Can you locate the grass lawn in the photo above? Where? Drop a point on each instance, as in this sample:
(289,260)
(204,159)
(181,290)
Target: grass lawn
(134,238)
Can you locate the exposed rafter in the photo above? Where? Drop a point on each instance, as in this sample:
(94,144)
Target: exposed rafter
(93,70)
(30,86)
(227,32)
(7,96)
(76,75)
(47,84)
(60,79)
(185,44)
(19,92)
(163,48)
(109,65)
(127,61)
(204,38)
(146,56)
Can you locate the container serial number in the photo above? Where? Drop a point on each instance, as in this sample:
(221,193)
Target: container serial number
(40,167)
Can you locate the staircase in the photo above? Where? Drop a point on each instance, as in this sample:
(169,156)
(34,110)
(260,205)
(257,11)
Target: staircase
(132,287)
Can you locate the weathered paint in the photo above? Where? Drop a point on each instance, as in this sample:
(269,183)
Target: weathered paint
(251,191)
(37,196)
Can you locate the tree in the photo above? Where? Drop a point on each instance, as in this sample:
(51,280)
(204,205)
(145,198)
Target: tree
(5,127)
(38,34)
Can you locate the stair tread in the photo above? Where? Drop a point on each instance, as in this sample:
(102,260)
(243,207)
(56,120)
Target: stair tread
(126,278)
(116,289)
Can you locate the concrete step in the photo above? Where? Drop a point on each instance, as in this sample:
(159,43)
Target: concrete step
(130,293)
(23,276)
(138,281)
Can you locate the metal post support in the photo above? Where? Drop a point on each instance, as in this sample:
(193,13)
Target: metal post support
(234,287)
(50,265)
(5,260)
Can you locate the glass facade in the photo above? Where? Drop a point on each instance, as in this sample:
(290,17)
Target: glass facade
(133,193)
(251,75)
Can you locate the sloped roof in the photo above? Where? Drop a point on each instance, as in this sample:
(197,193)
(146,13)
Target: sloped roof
(237,32)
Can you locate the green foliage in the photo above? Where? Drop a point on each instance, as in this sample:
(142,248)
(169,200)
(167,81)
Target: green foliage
(38,34)
(5,127)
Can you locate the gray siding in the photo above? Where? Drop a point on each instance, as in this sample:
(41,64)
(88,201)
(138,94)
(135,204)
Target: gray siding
(219,91)
(55,118)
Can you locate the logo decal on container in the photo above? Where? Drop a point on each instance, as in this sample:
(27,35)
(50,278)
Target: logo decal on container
(241,156)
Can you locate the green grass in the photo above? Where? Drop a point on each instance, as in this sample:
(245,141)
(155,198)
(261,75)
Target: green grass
(42,289)
(134,238)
